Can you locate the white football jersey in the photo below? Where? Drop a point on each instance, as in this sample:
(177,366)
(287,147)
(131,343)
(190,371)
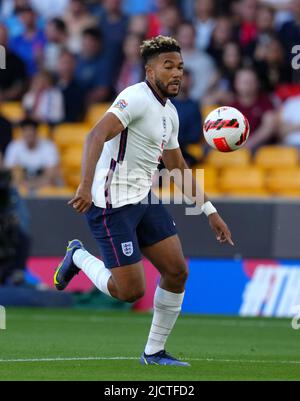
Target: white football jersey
(125,169)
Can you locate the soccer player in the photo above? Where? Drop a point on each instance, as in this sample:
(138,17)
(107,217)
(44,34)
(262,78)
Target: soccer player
(120,156)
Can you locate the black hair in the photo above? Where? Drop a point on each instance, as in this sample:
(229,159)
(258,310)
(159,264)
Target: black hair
(59,24)
(158,45)
(93,32)
(28,122)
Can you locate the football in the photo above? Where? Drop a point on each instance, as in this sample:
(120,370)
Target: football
(226,129)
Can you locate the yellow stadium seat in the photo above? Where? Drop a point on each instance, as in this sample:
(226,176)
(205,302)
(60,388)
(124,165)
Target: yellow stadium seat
(242,180)
(72,179)
(284,182)
(206,109)
(50,191)
(195,150)
(96,112)
(276,156)
(13,111)
(255,193)
(210,175)
(71,159)
(239,158)
(70,135)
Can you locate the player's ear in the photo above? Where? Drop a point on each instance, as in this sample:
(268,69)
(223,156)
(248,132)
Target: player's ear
(149,71)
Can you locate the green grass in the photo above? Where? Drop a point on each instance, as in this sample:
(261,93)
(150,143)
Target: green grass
(219,348)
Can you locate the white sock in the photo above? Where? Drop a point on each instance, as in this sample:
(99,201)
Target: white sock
(93,268)
(167,307)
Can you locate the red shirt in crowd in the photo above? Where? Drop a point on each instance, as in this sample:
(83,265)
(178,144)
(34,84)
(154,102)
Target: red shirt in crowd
(255,112)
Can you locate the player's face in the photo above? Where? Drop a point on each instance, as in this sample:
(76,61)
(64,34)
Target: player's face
(167,73)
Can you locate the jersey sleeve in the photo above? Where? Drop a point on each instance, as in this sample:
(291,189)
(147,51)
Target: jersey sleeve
(173,141)
(128,106)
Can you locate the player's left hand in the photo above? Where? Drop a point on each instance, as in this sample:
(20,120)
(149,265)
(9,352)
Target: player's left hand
(220,228)
(82,201)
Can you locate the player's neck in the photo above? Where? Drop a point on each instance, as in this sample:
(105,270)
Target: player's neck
(160,97)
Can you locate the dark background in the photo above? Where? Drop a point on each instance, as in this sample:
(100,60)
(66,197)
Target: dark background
(268,229)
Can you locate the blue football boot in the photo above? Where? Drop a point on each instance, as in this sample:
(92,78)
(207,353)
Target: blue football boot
(161,358)
(67,269)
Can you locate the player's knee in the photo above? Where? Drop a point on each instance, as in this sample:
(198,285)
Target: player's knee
(132,295)
(179,274)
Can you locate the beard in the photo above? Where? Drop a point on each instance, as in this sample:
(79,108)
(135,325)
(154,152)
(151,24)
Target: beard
(164,89)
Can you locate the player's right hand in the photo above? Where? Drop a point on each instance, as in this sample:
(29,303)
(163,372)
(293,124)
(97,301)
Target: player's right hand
(82,201)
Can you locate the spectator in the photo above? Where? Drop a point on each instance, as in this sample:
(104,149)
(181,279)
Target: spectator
(50,8)
(14,233)
(13,77)
(114,26)
(5,132)
(289,122)
(137,7)
(30,45)
(265,30)
(36,158)
(256,107)
(198,63)
(289,32)
(10,17)
(77,20)
(272,66)
(93,69)
(138,25)
(132,68)
(188,9)
(222,92)
(221,35)
(154,19)
(204,23)
(44,102)
(57,37)
(189,116)
(170,20)
(247,30)
(70,88)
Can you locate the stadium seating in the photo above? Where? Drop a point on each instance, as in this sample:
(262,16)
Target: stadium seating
(72,179)
(95,113)
(71,159)
(243,181)
(272,156)
(239,159)
(50,191)
(284,182)
(13,111)
(68,135)
(210,177)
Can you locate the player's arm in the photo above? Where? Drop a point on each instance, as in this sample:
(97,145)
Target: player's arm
(173,159)
(106,129)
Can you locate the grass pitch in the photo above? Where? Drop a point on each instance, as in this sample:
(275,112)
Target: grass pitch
(43,344)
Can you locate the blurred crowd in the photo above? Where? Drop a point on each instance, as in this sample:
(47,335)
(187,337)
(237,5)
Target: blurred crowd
(62,56)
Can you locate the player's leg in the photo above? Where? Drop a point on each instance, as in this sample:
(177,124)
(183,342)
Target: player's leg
(167,257)
(161,245)
(126,283)
(121,273)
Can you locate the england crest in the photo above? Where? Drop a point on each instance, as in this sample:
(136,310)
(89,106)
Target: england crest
(127,248)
